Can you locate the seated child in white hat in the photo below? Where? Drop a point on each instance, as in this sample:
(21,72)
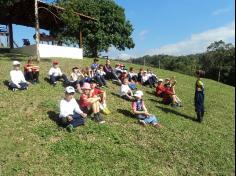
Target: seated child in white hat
(70,113)
(17,81)
(142,113)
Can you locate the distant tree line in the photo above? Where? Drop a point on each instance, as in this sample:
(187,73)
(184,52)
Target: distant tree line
(218,62)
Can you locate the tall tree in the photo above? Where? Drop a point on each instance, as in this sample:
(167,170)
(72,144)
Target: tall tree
(110,30)
(219,51)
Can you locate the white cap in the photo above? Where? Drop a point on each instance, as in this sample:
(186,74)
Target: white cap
(70,89)
(160,80)
(15,63)
(138,94)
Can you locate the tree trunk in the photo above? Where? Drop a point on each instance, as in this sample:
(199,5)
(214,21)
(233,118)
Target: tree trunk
(219,75)
(37,30)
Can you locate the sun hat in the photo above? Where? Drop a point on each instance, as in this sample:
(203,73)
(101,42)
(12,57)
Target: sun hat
(55,62)
(160,80)
(138,94)
(14,63)
(70,90)
(86,86)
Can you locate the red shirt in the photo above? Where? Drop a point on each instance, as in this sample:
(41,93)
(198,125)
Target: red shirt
(83,102)
(97,92)
(160,89)
(28,67)
(167,94)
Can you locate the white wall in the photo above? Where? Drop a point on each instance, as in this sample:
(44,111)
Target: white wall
(51,51)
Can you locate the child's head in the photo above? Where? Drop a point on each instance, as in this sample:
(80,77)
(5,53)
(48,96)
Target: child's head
(160,81)
(16,65)
(30,61)
(55,64)
(100,67)
(93,84)
(131,69)
(126,81)
(141,70)
(95,60)
(108,62)
(138,95)
(75,70)
(200,73)
(86,88)
(69,93)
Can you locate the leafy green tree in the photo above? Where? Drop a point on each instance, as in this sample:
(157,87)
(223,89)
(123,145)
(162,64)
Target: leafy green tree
(110,30)
(219,51)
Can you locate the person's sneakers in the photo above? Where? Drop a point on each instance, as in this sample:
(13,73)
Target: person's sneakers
(157,125)
(70,128)
(142,122)
(174,105)
(54,84)
(106,111)
(14,90)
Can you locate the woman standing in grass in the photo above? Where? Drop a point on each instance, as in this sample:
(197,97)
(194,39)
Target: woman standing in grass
(199,96)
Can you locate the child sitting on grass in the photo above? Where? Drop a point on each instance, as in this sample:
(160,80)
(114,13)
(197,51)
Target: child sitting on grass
(100,76)
(76,76)
(56,74)
(199,96)
(18,81)
(96,92)
(125,91)
(87,103)
(31,72)
(70,112)
(142,113)
(160,89)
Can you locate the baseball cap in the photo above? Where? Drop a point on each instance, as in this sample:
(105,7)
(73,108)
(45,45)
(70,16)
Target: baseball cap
(160,80)
(138,94)
(70,90)
(15,63)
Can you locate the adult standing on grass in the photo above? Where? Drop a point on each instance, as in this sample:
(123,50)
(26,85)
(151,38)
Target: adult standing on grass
(70,112)
(199,96)
(18,81)
(56,74)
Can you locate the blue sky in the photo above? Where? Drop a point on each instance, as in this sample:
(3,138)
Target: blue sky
(176,27)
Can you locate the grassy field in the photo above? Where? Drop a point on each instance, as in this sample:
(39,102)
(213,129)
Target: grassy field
(31,143)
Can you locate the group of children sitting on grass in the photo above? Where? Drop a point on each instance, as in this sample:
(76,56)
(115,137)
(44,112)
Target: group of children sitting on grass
(89,81)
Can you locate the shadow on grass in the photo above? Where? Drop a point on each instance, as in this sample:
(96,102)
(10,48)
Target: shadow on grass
(168,110)
(156,101)
(55,118)
(126,113)
(117,95)
(153,93)
(6,83)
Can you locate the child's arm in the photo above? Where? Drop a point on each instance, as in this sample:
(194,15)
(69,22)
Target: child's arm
(93,100)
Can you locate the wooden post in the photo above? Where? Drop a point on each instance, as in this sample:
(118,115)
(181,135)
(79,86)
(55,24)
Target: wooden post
(80,38)
(37,30)
(10,33)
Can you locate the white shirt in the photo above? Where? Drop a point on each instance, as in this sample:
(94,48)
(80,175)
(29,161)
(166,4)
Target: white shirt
(145,78)
(69,108)
(101,72)
(17,77)
(124,89)
(55,72)
(132,74)
(76,76)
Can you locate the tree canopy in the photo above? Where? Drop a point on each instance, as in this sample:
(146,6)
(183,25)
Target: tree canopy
(110,30)
(218,62)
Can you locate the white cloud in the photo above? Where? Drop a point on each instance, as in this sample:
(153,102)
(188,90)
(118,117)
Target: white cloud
(198,43)
(220,11)
(143,34)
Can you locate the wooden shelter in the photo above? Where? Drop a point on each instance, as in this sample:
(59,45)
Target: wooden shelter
(30,12)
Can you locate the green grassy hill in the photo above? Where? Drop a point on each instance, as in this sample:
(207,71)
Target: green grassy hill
(31,143)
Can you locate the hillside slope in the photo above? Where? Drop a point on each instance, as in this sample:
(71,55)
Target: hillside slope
(31,143)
